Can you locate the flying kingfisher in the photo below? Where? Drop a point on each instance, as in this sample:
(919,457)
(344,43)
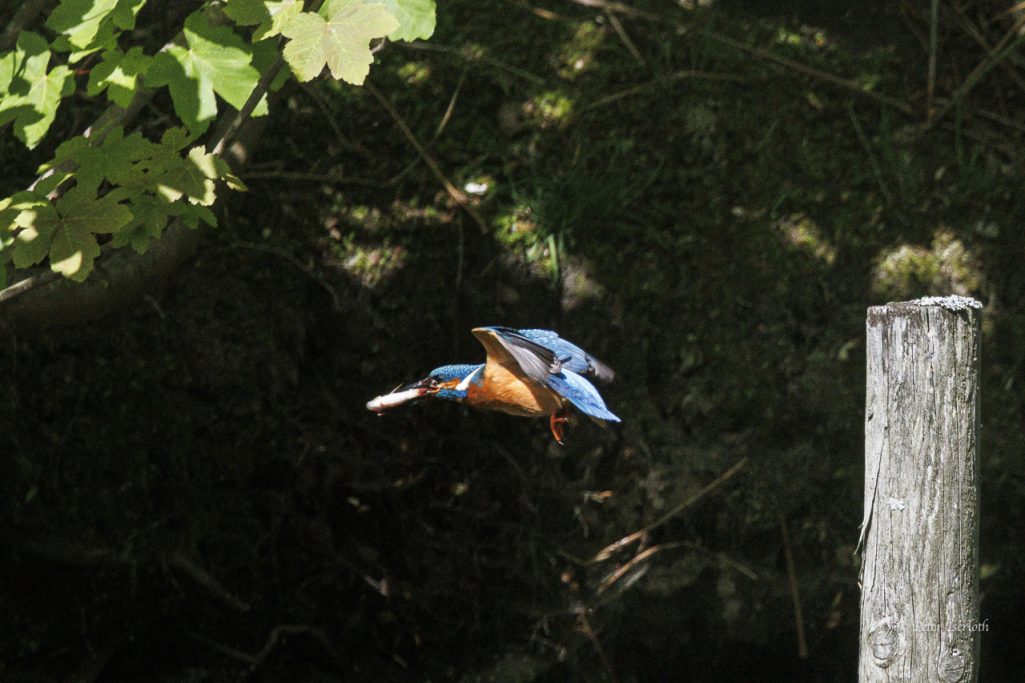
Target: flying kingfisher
(528,372)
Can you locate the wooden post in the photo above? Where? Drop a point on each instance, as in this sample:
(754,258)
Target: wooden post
(920,569)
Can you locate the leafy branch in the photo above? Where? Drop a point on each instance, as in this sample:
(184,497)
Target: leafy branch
(108,188)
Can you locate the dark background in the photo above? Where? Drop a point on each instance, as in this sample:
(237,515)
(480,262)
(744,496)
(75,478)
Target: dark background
(193,490)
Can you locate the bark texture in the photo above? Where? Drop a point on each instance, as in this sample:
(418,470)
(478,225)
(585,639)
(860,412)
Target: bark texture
(920,571)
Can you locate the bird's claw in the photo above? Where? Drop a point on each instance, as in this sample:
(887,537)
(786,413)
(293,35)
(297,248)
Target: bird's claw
(557,423)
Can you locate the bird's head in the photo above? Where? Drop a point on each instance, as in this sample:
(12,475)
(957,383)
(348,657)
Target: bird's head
(450,382)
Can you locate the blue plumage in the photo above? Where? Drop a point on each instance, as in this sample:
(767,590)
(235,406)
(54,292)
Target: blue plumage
(571,356)
(581,394)
(529,372)
(450,372)
(549,347)
(562,367)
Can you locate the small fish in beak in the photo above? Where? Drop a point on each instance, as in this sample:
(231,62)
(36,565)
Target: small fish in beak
(402,395)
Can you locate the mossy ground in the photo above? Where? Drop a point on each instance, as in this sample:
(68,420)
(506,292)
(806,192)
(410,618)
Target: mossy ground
(709,222)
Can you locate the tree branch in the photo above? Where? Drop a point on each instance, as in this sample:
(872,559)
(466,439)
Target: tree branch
(23,16)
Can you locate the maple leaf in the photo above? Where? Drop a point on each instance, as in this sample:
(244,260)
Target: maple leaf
(122,160)
(66,231)
(90,25)
(149,217)
(118,74)
(270,15)
(29,95)
(339,37)
(415,17)
(215,61)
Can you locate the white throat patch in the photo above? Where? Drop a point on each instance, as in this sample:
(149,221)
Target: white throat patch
(469,378)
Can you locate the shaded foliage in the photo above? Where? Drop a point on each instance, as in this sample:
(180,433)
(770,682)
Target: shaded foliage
(714,232)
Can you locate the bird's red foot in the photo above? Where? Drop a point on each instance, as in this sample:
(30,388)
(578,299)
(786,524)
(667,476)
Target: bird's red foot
(557,423)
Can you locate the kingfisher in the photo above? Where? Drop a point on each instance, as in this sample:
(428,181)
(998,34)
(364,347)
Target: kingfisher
(531,373)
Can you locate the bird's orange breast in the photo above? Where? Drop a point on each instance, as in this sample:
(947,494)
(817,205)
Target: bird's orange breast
(503,390)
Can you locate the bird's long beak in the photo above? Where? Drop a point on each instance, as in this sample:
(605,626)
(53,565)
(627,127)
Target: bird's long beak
(405,394)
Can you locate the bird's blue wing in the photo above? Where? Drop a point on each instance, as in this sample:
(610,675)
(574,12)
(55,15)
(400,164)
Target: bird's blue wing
(581,394)
(502,344)
(570,356)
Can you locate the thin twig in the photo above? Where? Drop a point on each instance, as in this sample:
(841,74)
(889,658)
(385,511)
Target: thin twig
(617,7)
(255,661)
(447,116)
(1004,47)
(876,169)
(676,76)
(995,118)
(972,30)
(256,246)
(243,114)
(457,195)
(1013,9)
(205,579)
(227,650)
(724,559)
(29,283)
(23,16)
(795,596)
(634,561)
(316,177)
(515,70)
(545,14)
(330,117)
(292,629)
(810,71)
(608,550)
(761,54)
(261,89)
(617,26)
(934,32)
(584,626)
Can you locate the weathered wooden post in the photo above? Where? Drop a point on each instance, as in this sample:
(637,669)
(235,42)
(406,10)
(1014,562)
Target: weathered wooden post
(920,569)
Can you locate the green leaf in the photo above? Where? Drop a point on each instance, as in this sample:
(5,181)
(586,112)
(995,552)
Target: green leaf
(67,151)
(74,246)
(7,215)
(32,242)
(415,17)
(281,12)
(121,160)
(12,207)
(149,217)
(83,23)
(66,231)
(215,61)
(72,253)
(271,15)
(118,74)
(265,55)
(51,182)
(28,94)
(210,168)
(246,12)
(83,212)
(170,174)
(124,14)
(19,69)
(194,213)
(90,25)
(338,37)
(45,97)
